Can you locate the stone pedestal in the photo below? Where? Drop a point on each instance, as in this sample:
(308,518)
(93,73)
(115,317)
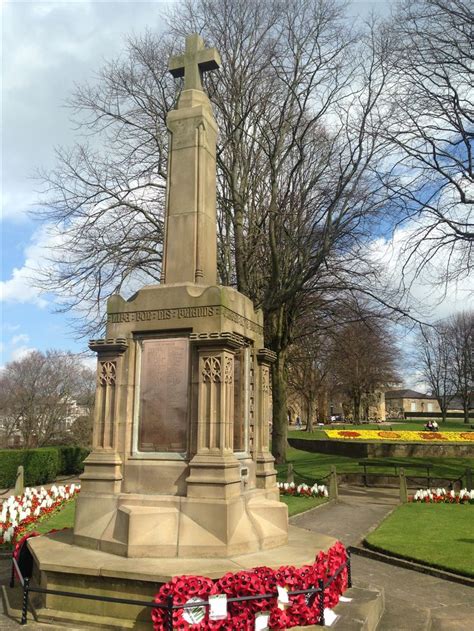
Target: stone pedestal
(212,491)
(92,571)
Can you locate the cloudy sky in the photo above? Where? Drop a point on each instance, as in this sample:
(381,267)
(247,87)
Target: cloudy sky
(47,47)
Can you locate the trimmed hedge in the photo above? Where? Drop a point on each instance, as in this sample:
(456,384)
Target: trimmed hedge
(41,465)
(71,459)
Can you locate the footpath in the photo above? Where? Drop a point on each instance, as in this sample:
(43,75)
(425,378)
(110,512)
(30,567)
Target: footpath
(413,601)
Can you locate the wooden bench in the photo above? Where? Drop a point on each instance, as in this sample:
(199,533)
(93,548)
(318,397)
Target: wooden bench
(372,462)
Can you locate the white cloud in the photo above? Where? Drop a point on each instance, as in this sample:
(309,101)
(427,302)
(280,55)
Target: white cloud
(21,286)
(17,347)
(22,338)
(47,47)
(89,362)
(21,352)
(429,299)
(10,328)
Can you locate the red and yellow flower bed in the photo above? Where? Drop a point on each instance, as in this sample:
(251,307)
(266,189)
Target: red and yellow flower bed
(400,435)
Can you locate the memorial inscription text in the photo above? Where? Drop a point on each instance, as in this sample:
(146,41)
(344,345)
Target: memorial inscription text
(163,404)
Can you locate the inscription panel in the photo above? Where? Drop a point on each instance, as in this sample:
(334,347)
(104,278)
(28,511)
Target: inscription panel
(163,402)
(181,313)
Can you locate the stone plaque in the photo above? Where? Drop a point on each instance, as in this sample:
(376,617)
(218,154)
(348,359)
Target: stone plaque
(163,407)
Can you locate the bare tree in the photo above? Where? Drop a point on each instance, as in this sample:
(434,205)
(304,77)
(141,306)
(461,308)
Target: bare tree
(37,392)
(460,336)
(308,371)
(431,130)
(297,101)
(365,360)
(435,359)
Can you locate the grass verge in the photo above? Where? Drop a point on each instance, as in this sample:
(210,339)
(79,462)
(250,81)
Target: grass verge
(439,535)
(62,518)
(298,505)
(311,467)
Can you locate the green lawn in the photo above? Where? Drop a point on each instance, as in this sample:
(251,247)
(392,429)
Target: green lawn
(300,504)
(311,467)
(63,518)
(440,535)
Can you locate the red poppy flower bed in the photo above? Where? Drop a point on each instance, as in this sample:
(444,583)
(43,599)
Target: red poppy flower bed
(301,609)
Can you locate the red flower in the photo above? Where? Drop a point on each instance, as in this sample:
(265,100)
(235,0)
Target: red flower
(302,610)
(432,436)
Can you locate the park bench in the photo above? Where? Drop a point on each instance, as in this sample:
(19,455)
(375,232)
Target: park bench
(371,462)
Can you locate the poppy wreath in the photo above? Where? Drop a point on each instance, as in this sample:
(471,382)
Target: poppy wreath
(302,609)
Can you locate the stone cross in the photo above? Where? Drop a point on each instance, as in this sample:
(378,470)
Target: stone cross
(194,62)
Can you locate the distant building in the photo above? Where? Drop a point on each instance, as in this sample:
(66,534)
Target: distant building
(398,402)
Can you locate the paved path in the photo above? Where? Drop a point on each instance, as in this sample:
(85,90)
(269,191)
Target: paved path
(360,510)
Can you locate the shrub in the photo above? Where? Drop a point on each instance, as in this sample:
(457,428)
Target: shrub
(72,459)
(10,460)
(41,465)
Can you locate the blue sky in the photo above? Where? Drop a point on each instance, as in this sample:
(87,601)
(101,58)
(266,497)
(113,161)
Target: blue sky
(46,48)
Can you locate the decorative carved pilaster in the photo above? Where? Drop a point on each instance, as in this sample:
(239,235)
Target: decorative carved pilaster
(265,470)
(211,369)
(252,405)
(214,470)
(216,398)
(109,355)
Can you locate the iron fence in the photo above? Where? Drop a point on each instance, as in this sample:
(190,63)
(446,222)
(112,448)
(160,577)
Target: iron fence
(313,593)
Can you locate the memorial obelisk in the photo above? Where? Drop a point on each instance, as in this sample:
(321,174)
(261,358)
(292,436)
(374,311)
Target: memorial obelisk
(181,429)
(180,479)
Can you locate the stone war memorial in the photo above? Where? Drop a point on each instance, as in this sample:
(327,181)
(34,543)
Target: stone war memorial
(180,480)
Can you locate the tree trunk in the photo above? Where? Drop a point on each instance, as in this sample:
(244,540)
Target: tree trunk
(322,406)
(280,425)
(465,409)
(356,403)
(309,414)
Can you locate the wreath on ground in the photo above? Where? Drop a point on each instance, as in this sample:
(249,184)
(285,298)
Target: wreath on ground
(301,610)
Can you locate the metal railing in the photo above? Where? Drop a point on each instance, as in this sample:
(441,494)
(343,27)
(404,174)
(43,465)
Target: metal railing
(170,606)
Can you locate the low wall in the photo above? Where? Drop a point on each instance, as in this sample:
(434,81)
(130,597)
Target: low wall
(360,449)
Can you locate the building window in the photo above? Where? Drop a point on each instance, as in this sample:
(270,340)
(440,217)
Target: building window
(413,406)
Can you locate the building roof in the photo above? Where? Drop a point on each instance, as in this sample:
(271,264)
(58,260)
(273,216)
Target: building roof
(407,394)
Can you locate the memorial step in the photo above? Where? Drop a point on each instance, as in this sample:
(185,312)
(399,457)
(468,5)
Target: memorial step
(363,613)
(401,615)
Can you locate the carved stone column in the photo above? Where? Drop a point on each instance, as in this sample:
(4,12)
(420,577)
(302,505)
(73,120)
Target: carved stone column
(214,469)
(103,465)
(265,472)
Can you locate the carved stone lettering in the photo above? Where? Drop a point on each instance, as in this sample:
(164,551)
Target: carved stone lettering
(164,314)
(164,395)
(242,320)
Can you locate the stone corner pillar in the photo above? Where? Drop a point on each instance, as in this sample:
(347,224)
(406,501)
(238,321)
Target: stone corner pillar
(214,469)
(103,466)
(265,469)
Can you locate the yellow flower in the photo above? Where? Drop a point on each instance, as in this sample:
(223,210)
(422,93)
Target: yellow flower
(400,435)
